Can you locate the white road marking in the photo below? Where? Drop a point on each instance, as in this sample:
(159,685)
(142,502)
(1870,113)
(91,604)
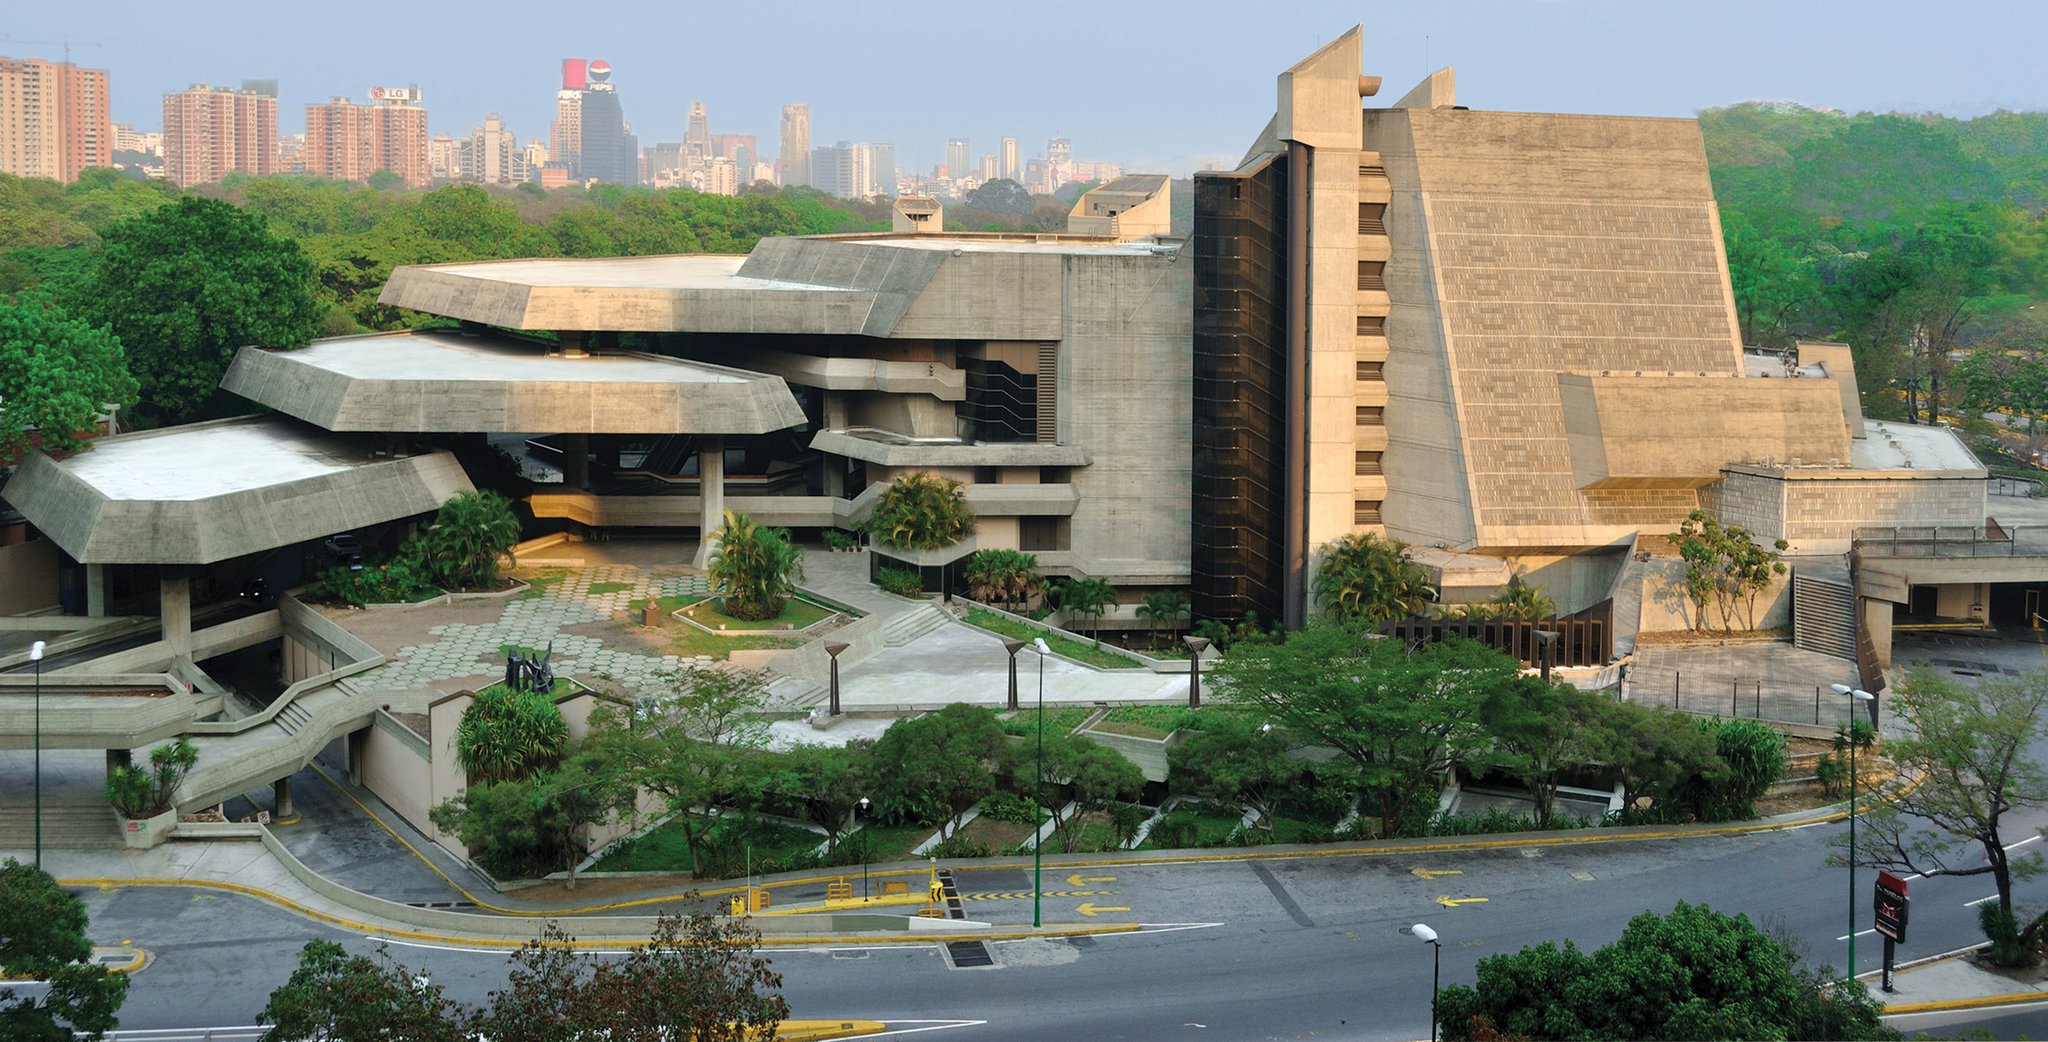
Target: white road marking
(1859,933)
(1979,901)
(931,1025)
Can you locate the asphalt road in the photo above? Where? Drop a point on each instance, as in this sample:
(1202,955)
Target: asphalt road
(1233,949)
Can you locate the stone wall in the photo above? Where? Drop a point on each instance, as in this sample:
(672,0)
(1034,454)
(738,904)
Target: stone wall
(1818,511)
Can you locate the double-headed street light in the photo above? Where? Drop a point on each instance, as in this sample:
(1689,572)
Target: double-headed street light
(1428,936)
(1856,695)
(1038,841)
(35,655)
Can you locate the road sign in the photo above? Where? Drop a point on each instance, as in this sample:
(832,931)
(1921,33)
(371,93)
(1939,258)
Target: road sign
(1890,901)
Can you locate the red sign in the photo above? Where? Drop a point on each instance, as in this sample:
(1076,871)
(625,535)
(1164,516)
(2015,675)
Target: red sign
(1890,902)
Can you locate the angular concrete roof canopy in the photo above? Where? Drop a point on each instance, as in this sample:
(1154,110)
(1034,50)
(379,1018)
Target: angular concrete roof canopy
(437,381)
(213,491)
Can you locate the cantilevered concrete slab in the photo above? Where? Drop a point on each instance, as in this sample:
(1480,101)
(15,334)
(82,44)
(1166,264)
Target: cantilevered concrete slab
(213,491)
(439,381)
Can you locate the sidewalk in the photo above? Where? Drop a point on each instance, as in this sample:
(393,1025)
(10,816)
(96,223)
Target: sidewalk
(1953,982)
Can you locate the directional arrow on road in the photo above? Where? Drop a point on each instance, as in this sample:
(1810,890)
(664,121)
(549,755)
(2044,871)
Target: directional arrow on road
(1452,902)
(1077,879)
(1091,909)
(1432,873)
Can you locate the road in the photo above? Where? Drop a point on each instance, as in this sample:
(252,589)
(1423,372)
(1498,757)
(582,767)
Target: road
(1284,949)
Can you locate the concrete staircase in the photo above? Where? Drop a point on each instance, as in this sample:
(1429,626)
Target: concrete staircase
(68,824)
(292,718)
(797,694)
(1627,593)
(1823,616)
(912,624)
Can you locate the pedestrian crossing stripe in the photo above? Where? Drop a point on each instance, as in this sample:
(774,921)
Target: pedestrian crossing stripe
(1025,895)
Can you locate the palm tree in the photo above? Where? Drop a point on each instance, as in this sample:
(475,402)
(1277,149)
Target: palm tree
(921,511)
(468,536)
(1004,577)
(505,735)
(1366,579)
(1090,597)
(1166,606)
(755,568)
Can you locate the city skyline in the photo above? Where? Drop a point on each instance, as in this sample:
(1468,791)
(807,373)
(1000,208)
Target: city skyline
(1553,56)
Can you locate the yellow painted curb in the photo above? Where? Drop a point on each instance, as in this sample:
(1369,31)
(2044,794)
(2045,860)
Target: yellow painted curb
(2013,999)
(819,1030)
(133,964)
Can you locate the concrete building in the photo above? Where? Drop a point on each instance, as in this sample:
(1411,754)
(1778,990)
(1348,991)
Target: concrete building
(956,158)
(348,141)
(210,132)
(795,157)
(697,139)
(490,155)
(54,119)
(882,169)
(607,150)
(1008,166)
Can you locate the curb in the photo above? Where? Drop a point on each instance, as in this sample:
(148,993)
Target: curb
(1982,1002)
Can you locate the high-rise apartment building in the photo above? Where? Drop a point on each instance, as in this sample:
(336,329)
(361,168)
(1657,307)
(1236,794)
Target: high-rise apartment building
(722,177)
(740,148)
(491,155)
(988,166)
(956,158)
(444,157)
(1008,165)
(795,157)
(697,139)
(53,119)
(349,142)
(210,132)
(882,163)
(565,134)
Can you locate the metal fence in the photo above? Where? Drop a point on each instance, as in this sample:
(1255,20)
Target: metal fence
(1747,698)
(1951,541)
(2025,488)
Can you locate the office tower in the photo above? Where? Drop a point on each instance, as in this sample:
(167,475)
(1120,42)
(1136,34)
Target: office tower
(53,119)
(834,169)
(608,152)
(795,156)
(956,158)
(697,140)
(1059,163)
(664,164)
(210,132)
(988,167)
(349,142)
(1008,167)
(882,164)
(740,148)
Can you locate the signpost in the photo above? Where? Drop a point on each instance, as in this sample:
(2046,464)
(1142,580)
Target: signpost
(1890,902)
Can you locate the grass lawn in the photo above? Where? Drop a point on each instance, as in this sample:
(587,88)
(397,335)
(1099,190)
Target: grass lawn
(1211,826)
(1065,647)
(1057,721)
(796,614)
(893,842)
(690,642)
(1149,721)
(536,585)
(999,836)
(1092,833)
(610,587)
(664,849)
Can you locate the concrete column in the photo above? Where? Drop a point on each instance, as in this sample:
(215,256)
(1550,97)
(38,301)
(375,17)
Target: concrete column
(576,461)
(174,597)
(835,476)
(281,800)
(711,476)
(96,590)
(1877,621)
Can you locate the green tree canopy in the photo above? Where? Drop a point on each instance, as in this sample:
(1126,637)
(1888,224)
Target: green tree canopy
(470,533)
(42,937)
(755,568)
(57,375)
(187,285)
(1367,580)
(506,735)
(931,768)
(921,511)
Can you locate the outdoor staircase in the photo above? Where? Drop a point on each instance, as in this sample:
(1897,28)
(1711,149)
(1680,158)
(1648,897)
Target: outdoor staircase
(68,824)
(796,694)
(1824,616)
(912,624)
(292,718)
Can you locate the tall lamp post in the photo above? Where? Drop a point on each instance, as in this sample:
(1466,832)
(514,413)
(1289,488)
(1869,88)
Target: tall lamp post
(35,655)
(1038,841)
(1196,645)
(864,854)
(833,648)
(1013,647)
(1855,695)
(1428,936)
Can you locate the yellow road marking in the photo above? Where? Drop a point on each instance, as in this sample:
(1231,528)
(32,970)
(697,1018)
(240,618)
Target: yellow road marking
(1077,879)
(1091,909)
(1432,873)
(1452,902)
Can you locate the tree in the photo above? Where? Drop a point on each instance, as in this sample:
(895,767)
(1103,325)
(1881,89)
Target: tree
(140,793)
(1724,565)
(57,376)
(185,286)
(1695,974)
(687,745)
(1402,715)
(921,511)
(1001,195)
(538,824)
(1542,729)
(1368,580)
(42,937)
(1006,577)
(1236,759)
(470,533)
(332,995)
(755,568)
(827,781)
(1965,768)
(1088,598)
(506,735)
(1095,775)
(1659,754)
(1165,607)
(930,769)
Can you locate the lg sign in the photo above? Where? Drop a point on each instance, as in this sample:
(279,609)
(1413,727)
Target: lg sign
(391,94)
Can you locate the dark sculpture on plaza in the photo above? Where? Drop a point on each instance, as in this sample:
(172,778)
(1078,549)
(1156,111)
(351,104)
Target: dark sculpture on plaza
(530,672)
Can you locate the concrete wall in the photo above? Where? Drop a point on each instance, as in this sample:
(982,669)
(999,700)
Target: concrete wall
(395,767)
(28,576)
(1818,510)
(1665,608)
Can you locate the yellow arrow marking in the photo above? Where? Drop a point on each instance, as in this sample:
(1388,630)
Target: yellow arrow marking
(1432,873)
(1452,902)
(1078,880)
(1090,908)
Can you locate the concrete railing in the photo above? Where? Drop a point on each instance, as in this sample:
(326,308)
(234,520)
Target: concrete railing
(354,656)
(1156,665)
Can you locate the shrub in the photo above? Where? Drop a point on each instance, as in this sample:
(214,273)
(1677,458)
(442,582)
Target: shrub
(957,845)
(1754,759)
(1831,773)
(903,582)
(139,793)
(472,530)
(507,735)
(840,539)
(921,511)
(754,570)
(1010,807)
(2003,931)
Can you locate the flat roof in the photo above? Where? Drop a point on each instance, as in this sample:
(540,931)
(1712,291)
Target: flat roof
(964,244)
(213,491)
(1909,446)
(451,382)
(679,271)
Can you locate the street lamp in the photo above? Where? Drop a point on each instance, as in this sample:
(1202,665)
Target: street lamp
(1196,645)
(863,853)
(833,648)
(1013,647)
(1428,936)
(1855,695)
(35,655)
(1038,840)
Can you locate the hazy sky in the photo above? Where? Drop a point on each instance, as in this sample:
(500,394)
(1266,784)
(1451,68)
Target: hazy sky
(1153,85)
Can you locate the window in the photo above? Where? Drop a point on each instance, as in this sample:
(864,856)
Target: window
(1370,370)
(1372,218)
(1367,512)
(1371,415)
(1372,275)
(1368,463)
(1372,325)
